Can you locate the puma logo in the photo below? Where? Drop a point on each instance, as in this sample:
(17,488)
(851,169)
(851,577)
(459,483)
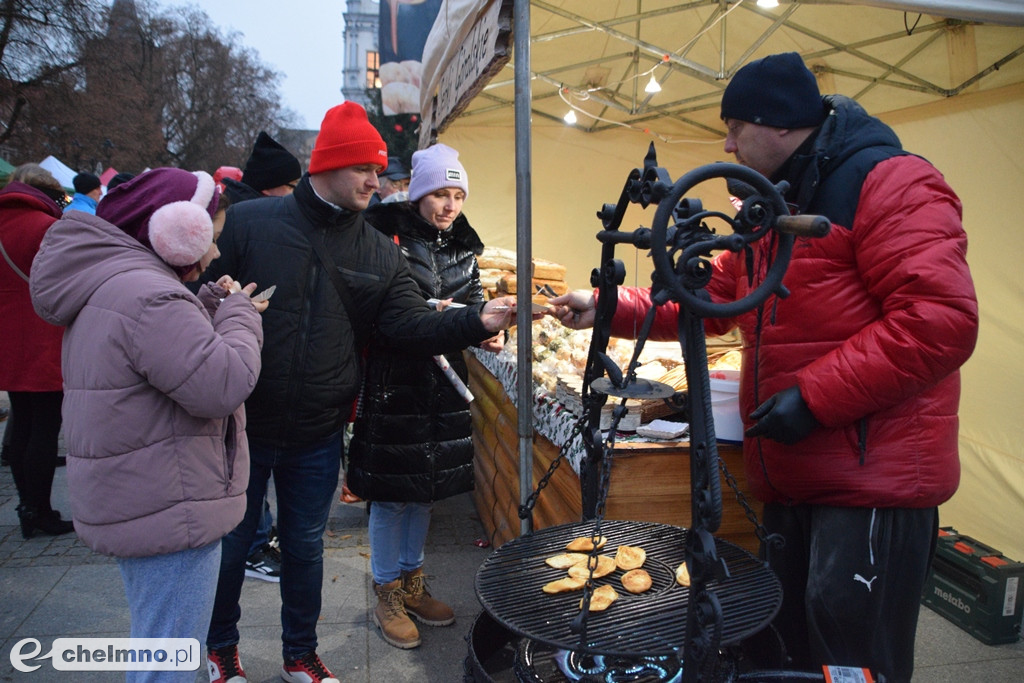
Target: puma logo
(858,577)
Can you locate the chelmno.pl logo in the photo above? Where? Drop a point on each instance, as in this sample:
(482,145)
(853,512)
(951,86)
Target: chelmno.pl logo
(109,654)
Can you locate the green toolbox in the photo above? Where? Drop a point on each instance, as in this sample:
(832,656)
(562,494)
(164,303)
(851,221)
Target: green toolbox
(976,587)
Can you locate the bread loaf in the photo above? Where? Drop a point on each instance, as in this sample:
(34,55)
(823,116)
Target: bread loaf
(496,257)
(548,270)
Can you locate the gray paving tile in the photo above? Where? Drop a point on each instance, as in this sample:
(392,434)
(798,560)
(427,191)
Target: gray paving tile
(87,599)
(21,590)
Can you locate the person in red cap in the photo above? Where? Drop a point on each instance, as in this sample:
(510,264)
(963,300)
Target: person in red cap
(225,172)
(851,385)
(337,278)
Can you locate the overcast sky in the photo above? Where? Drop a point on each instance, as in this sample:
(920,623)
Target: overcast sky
(301,39)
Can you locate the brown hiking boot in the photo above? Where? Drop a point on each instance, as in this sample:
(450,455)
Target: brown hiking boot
(390,616)
(419,604)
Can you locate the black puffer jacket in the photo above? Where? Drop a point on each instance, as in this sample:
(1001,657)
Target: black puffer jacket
(311,364)
(413,438)
(239,192)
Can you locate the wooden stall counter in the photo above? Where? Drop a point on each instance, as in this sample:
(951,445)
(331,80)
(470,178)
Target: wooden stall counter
(650,481)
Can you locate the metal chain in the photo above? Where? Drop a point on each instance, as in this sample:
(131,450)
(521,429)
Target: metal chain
(580,623)
(748,509)
(618,412)
(526,508)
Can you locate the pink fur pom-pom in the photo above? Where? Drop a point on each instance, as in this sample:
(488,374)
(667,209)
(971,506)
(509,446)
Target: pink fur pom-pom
(180,232)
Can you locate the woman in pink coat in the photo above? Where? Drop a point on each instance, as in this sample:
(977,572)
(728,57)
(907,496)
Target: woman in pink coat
(154,380)
(30,350)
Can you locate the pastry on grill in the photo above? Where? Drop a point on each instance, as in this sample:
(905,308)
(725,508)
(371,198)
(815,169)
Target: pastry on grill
(585,544)
(566,560)
(636,580)
(564,585)
(682,575)
(605,566)
(602,598)
(630,557)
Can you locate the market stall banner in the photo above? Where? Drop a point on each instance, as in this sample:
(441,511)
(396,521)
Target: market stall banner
(404,26)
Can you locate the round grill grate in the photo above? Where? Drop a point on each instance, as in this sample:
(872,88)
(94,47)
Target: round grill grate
(509,585)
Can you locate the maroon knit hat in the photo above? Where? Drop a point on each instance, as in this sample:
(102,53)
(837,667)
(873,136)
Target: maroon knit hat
(347,139)
(168,210)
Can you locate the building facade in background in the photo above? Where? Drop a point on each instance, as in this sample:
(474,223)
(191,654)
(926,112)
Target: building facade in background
(362,58)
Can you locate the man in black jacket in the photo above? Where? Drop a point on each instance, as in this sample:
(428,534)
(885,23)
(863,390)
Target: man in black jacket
(314,331)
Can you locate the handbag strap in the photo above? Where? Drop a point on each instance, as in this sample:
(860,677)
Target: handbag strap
(11,263)
(319,248)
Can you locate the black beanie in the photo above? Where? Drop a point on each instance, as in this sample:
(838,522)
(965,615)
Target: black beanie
(122,177)
(270,165)
(85,183)
(777,91)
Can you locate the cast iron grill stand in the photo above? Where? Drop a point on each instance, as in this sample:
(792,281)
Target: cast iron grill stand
(731,594)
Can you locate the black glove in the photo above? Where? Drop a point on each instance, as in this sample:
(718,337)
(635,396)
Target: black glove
(784,417)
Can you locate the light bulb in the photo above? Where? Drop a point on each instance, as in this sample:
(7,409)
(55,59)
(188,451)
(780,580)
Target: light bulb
(768,4)
(652,85)
(570,117)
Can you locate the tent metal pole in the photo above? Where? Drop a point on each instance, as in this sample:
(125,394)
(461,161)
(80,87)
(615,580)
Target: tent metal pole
(524,247)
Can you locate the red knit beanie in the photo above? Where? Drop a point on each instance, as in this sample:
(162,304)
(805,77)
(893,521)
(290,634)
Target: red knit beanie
(347,139)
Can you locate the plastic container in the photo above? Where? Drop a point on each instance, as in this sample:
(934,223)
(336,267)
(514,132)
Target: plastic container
(725,408)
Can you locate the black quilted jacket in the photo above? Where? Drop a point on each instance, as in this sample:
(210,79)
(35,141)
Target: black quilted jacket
(311,364)
(413,438)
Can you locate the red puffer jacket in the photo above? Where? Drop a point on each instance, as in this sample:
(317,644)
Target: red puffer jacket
(880,317)
(29,347)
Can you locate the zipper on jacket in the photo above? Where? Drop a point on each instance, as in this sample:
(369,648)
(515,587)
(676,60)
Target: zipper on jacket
(305,319)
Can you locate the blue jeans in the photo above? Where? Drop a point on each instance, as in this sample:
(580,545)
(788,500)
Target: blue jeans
(170,596)
(305,480)
(262,536)
(398,532)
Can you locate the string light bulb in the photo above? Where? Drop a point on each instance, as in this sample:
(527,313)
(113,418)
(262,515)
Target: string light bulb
(652,85)
(570,117)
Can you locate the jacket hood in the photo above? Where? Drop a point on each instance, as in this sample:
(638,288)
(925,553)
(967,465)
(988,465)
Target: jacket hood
(21,196)
(79,254)
(848,130)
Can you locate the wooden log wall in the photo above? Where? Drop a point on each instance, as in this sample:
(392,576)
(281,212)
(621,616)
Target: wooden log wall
(650,482)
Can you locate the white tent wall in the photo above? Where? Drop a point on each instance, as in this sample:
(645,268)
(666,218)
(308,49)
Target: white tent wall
(976,140)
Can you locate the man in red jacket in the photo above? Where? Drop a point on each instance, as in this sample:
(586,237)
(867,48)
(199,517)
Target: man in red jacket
(851,439)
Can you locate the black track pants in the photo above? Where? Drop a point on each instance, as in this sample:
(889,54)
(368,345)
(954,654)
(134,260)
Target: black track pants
(852,580)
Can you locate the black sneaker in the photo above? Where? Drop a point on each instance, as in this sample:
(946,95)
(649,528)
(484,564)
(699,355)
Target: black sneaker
(264,564)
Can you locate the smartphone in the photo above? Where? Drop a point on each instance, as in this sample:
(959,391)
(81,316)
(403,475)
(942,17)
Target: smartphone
(265,294)
(434,302)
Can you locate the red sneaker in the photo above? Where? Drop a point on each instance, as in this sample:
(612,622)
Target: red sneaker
(224,666)
(307,669)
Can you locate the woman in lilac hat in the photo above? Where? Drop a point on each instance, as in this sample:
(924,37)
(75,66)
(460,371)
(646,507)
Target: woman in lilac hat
(412,442)
(154,380)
